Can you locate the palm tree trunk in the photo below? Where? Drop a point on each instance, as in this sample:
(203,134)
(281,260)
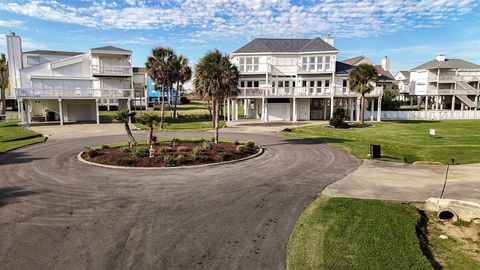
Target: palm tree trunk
(129,133)
(162,113)
(362,110)
(216,119)
(3,102)
(150,134)
(175,102)
(213,113)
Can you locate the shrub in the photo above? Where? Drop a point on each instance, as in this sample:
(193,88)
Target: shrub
(236,142)
(163,150)
(223,156)
(141,152)
(207,145)
(196,153)
(338,118)
(105,146)
(242,148)
(180,159)
(168,160)
(184,100)
(125,149)
(91,152)
(250,144)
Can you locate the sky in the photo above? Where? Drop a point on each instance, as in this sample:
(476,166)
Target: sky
(408,32)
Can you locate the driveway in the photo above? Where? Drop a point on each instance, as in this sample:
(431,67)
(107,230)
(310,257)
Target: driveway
(58,213)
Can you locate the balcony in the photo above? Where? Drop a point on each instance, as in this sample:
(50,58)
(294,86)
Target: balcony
(73,93)
(111,71)
(314,92)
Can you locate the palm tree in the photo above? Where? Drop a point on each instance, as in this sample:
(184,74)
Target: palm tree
(3,82)
(124,116)
(183,74)
(362,79)
(150,119)
(160,67)
(216,78)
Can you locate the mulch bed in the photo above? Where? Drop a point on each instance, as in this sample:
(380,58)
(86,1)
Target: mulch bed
(124,156)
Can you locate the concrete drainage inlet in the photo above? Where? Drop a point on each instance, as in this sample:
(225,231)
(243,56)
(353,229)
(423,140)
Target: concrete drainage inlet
(447,215)
(453,210)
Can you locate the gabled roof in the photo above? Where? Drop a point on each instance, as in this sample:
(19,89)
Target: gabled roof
(267,45)
(47,52)
(353,61)
(448,63)
(383,74)
(110,48)
(405,74)
(342,68)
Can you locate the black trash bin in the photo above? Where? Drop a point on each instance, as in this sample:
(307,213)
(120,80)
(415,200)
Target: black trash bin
(375,151)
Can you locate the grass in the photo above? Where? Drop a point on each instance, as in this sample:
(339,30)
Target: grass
(344,233)
(13,136)
(405,141)
(192,117)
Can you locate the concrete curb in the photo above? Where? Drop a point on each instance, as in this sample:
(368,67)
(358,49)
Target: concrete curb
(79,157)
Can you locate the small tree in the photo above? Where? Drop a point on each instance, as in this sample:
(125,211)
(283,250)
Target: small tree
(183,73)
(3,82)
(338,118)
(362,79)
(150,119)
(124,116)
(389,100)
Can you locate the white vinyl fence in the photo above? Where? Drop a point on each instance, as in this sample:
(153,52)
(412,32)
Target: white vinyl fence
(425,115)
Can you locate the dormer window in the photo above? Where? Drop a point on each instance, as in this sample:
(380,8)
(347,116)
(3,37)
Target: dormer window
(33,60)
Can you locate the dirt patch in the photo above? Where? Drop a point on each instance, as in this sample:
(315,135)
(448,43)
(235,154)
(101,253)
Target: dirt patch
(181,153)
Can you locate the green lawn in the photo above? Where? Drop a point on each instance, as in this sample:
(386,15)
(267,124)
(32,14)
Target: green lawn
(405,141)
(13,136)
(343,233)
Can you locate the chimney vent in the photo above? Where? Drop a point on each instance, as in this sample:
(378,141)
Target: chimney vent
(386,63)
(441,57)
(329,39)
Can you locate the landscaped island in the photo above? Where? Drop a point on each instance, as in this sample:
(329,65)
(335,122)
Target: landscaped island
(13,136)
(170,153)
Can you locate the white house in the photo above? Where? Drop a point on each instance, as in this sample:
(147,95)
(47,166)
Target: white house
(403,79)
(293,80)
(446,83)
(65,86)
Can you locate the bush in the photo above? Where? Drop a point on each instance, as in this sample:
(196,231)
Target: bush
(168,160)
(250,144)
(141,152)
(163,150)
(180,159)
(126,149)
(338,118)
(196,153)
(207,145)
(183,149)
(184,100)
(223,156)
(242,148)
(91,152)
(105,146)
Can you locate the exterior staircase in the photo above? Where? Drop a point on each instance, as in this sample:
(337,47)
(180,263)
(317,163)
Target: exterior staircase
(465,86)
(467,101)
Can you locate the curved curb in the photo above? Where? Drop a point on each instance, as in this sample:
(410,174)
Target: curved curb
(79,157)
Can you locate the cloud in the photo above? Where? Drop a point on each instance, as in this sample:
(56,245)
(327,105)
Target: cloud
(11,23)
(244,19)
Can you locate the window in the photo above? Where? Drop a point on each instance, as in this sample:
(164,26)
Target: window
(249,84)
(312,83)
(304,83)
(255,84)
(304,63)
(319,63)
(249,64)
(280,83)
(311,66)
(242,84)
(319,83)
(327,63)
(287,83)
(327,83)
(33,60)
(255,63)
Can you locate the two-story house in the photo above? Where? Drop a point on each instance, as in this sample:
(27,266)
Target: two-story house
(292,80)
(446,84)
(62,86)
(403,79)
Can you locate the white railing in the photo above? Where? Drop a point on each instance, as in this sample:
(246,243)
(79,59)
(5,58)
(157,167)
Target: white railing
(303,92)
(112,70)
(73,93)
(426,115)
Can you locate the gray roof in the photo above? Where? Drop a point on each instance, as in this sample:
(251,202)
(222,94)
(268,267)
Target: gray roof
(110,48)
(46,52)
(352,61)
(342,68)
(383,74)
(448,63)
(267,45)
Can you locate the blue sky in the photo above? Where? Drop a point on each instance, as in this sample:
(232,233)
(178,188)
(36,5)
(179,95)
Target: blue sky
(409,32)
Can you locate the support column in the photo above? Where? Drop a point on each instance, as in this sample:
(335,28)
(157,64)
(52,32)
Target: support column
(357,109)
(20,111)
(426,103)
(476,102)
(294,115)
(350,107)
(266,109)
(224,113)
(462,106)
(236,109)
(379,109)
(228,110)
(60,109)
(263,110)
(419,100)
(324,108)
(372,109)
(28,105)
(453,103)
(332,104)
(245,108)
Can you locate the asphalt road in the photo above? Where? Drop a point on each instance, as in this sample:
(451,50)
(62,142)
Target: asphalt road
(58,213)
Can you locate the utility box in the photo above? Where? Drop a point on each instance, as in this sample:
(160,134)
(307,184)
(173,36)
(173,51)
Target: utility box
(375,151)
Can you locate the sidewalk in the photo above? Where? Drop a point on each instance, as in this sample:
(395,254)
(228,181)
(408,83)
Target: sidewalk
(405,182)
(257,126)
